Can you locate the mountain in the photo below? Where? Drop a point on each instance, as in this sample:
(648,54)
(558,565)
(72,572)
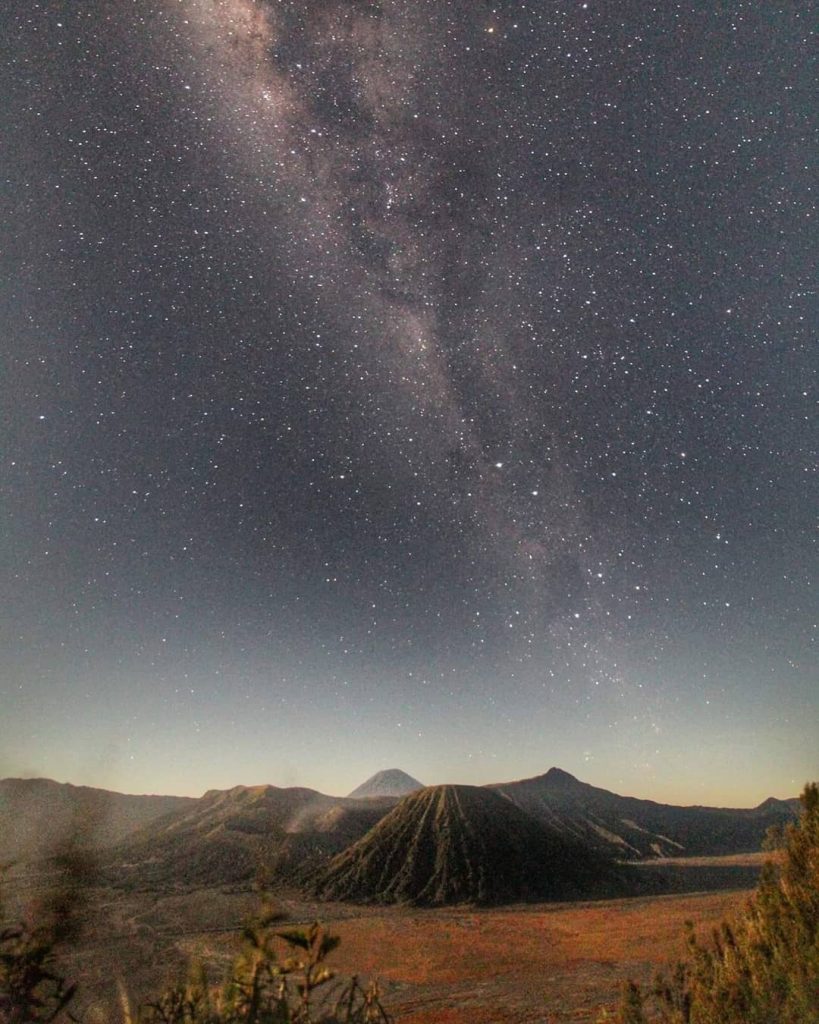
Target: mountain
(37,816)
(292,835)
(232,835)
(459,844)
(390,782)
(632,828)
(792,805)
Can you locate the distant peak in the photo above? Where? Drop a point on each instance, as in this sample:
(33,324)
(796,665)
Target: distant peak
(775,804)
(558,775)
(388,782)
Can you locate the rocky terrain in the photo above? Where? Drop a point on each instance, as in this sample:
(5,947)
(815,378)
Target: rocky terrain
(462,844)
(549,837)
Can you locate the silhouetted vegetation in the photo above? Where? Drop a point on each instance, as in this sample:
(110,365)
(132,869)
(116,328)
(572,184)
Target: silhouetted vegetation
(259,987)
(31,989)
(262,989)
(762,969)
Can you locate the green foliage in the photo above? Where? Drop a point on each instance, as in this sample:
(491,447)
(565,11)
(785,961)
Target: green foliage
(765,968)
(261,989)
(631,1005)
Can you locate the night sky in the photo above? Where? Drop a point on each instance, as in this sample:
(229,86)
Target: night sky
(423,383)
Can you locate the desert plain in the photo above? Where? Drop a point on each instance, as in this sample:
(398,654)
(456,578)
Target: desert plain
(539,963)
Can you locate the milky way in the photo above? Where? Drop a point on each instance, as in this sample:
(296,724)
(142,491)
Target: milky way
(424,382)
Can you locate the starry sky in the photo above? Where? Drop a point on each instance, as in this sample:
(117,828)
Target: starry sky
(419,383)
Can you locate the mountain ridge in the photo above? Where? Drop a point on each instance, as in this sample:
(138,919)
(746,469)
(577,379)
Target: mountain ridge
(461,844)
(635,828)
(229,836)
(39,815)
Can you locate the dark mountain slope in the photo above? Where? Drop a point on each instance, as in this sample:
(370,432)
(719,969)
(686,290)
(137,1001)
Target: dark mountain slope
(457,844)
(37,816)
(227,836)
(390,782)
(232,835)
(632,828)
(792,805)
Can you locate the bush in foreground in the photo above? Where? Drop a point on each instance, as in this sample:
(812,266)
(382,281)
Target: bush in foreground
(260,988)
(763,969)
(31,990)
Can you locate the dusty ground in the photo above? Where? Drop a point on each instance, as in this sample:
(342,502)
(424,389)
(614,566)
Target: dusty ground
(536,964)
(543,963)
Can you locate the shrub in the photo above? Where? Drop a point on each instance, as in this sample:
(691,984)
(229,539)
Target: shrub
(764,969)
(31,990)
(261,989)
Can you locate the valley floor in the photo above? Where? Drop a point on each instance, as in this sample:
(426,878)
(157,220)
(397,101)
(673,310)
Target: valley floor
(550,963)
(535,964)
